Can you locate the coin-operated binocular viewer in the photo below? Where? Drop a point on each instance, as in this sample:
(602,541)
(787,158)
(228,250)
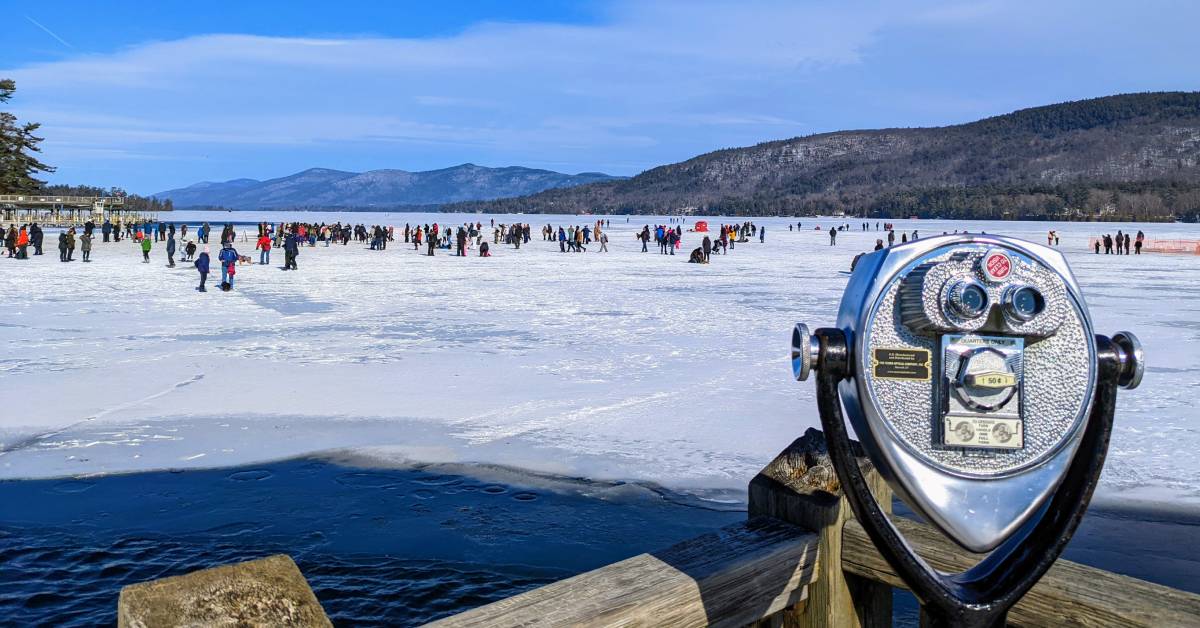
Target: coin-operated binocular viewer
(970,372)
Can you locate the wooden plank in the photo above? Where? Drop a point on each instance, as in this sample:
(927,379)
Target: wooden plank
(1070,594)
(800,487)
(726,578)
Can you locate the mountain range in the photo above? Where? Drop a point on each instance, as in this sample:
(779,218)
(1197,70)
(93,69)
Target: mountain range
(1132,156)
(379,189)
(1127,157)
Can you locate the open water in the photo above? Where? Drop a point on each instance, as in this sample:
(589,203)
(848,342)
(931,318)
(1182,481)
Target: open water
(398,547)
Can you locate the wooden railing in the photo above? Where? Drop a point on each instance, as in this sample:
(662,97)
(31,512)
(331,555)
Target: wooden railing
(802,560)
(728,578)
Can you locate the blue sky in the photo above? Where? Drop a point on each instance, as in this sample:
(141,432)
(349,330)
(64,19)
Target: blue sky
(151,96)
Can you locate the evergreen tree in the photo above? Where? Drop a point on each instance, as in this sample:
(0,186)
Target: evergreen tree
(18,145)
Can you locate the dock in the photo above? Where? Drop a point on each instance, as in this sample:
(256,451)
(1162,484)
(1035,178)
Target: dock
(64,211)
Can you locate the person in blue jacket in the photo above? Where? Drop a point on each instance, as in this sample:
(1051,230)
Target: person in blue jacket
(202,266)
(228,257)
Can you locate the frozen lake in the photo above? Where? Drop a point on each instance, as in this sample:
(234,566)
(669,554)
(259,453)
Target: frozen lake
(624,365)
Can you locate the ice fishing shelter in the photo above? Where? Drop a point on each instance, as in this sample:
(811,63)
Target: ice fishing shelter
(701,225)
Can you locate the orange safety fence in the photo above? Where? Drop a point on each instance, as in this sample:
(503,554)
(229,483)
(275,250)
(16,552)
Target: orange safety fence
(1187,247)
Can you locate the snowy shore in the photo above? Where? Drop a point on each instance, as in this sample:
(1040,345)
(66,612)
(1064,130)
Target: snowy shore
(624,365)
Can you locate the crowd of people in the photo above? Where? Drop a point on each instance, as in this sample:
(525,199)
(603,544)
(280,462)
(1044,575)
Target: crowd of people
(1120,243)
(17,242)
(466,239)
(728,237)
(575,238)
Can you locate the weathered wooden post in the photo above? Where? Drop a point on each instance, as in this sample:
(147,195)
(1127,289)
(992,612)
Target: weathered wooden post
(800,487)
(266,592)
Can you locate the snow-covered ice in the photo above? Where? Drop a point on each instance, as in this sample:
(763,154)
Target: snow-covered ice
(623,366)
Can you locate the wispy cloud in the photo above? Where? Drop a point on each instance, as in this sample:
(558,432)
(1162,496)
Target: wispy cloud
(497,92)
(651,83)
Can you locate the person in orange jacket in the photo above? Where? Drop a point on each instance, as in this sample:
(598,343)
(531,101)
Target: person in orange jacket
(22,243)
(264,249)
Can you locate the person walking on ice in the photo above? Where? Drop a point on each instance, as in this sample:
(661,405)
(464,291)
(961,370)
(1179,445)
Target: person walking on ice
(832,236)
(202,266)
(10,241)
(264,249)
(23,243)
(36,236)
(228,258)
(146,250)
(291,248)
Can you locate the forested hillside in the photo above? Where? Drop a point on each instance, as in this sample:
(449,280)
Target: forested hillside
(1134,156)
